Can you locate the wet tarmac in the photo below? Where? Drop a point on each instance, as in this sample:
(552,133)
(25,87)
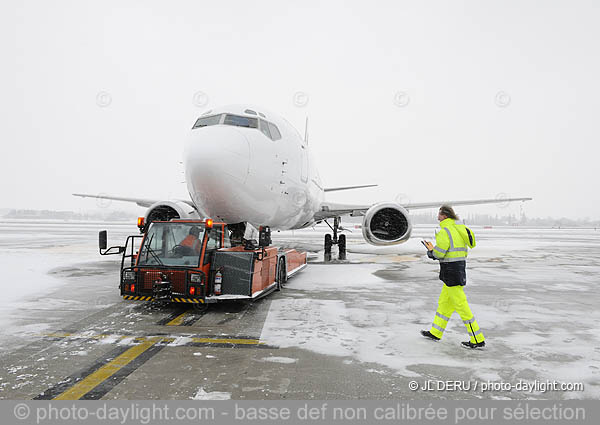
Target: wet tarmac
(345,330)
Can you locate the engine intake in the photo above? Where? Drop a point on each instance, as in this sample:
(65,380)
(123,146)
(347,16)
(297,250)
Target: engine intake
(386,223)
(168,210)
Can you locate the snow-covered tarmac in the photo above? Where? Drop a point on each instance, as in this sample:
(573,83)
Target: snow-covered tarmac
(341,330)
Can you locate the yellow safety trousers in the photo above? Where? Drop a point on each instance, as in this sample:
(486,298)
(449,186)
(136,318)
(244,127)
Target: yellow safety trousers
(453,299)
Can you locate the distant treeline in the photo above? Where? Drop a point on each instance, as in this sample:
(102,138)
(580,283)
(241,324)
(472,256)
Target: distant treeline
(423,218)
(510,220)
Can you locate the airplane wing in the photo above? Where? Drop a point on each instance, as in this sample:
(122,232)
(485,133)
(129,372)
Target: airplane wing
(330,209)
(334,189)
(139,201)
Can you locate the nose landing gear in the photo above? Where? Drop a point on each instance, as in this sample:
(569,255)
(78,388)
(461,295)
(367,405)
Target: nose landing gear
(335,240)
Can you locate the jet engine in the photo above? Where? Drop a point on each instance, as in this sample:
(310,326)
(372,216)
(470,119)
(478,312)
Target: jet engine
(168,210)
(386,223)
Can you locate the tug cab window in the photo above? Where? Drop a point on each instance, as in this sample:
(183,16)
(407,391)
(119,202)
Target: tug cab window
(206,121)
(226,239)
(213,242)
(240,121)
(172,244)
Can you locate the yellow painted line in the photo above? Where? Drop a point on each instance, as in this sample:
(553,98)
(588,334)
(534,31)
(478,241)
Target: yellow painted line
(178,320)
(92,381)
(57,335)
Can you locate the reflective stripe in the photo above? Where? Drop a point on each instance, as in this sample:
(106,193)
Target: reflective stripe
(477,332)
(440,250)
(437,254)
(471,320)
(441,316)
(450,236)
(452,249)
(439,328)
(451,260)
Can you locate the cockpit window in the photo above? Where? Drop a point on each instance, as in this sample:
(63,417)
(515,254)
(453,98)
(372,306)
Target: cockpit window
(268,129)
(241,121)
(206,121)
(275,134)
(264,127)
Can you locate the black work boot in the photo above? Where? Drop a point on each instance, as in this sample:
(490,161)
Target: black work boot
(469,344)
(429,335)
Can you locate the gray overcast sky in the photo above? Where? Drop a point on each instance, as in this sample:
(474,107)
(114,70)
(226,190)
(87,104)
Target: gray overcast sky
(99,96)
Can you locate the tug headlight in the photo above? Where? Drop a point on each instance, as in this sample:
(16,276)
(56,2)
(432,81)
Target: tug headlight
(196,278)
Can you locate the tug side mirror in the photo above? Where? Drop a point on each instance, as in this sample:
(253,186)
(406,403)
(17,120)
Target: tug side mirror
(102,240)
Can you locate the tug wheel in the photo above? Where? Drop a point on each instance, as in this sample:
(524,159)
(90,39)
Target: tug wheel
(200,307)
(281,275)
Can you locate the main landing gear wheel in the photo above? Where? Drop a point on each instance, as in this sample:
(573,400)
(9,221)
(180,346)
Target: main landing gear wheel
(281,275)
(342,247)
(335,240)
(328,245)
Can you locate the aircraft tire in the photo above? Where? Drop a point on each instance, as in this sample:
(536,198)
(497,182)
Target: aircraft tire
(328,245)
(342,247)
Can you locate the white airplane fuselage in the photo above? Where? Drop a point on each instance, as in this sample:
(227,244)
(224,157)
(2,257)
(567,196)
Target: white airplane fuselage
(236,173)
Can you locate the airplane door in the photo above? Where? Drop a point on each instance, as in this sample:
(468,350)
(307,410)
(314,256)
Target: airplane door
(304,166)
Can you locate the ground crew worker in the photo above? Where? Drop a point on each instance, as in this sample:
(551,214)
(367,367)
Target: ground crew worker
(451,246)
(191,241)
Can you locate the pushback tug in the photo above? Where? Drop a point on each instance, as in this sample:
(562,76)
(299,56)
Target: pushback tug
(195,262)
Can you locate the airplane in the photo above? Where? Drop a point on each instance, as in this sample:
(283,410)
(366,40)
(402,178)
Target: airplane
(250,168)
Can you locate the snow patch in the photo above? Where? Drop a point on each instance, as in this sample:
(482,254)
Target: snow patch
(215,395)
(179,341)
(285,360)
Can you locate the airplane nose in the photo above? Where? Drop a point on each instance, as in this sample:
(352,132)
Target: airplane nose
(217,151)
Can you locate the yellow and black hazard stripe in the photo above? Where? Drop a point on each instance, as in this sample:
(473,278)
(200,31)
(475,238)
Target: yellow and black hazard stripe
(137,298)
(174,299)
(187,300)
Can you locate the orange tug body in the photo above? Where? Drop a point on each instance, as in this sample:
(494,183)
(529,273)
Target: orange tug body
(164,263)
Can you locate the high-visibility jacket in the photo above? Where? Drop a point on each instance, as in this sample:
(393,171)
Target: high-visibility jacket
(453,241)
(192,242)
(451,249)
